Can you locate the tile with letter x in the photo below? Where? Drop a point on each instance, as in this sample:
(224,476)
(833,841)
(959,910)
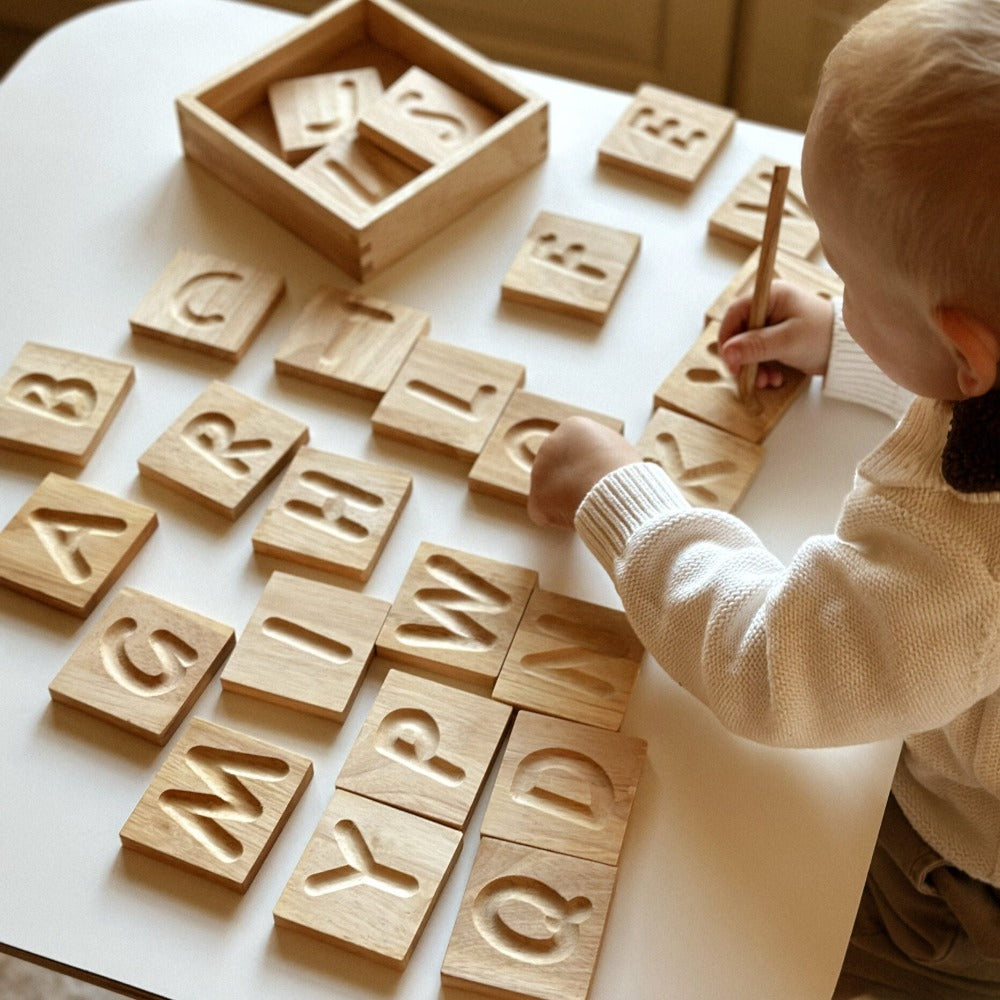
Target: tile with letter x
(368,878)
(223,450)
(307,646)
(530,924)
(333,512)
(503,468)
(571,266)
(68,543)
(59,404)
(209,304)
(572,659)
(217,804)
(425,747)
(455,613)
(565,787)
(143,665)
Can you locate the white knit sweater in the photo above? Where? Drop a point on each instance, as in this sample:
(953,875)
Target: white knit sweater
(889,627)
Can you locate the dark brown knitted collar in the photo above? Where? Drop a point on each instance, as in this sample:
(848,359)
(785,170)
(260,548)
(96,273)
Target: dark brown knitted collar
(970,462)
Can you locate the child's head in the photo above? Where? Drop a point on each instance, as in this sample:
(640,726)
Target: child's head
(902,163)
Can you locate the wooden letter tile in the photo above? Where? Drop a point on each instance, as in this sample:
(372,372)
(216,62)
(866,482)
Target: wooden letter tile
(352,342)
(209,304)
(217,804)
(422,121)
(143,665)
(571,659)
(571,267)
(702,387)
(667,137)
(369,878)
(333,513)
(503,468)
(306,646)
(310,111)
(59,404)
(530,924)
(68,543)
(713,468)
(447,398)
(455,613)
(740,217)
(425,747)
(565,787)
(223,450)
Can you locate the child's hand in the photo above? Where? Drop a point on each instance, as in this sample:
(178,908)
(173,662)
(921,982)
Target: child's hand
(570,461)
(798,334)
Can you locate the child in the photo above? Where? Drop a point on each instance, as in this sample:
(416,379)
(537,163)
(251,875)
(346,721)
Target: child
(890,626)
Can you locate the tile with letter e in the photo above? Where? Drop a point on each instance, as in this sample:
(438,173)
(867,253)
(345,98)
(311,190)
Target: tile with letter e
(503,468)
(530,924)
(572,659)
(368,878)
(223,450)
(455,613)
(307,646)
(571,266)
(217,804)
(447,398)
(333,512)
(209,304)
(425,747)
(59,404)
(565,787)
(69,542)
(143,664)
(351,342)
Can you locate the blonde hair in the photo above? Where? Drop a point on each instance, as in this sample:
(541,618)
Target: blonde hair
(916,88)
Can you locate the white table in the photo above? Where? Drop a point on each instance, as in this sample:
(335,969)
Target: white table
(742,865)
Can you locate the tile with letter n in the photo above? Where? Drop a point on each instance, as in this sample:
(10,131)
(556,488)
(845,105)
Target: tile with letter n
(368,878)
(425,747)
(69,542)
(307,646)
(223,450)
(565,787)
(530,924)
(143,664)
(572,659)
(333,512)
(503,468)
(217,804)
(455,613)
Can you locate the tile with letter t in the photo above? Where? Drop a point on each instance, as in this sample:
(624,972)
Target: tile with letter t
(307,646)
(143,664)
(530,924)
(425,747)
(572,659)
(565,787)
(368,878)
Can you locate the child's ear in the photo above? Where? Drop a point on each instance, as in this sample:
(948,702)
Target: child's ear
(977,345)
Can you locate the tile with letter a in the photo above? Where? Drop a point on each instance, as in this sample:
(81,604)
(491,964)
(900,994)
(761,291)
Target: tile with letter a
(307,646)
(368,878)
(223,450)
(571,659)
(455,613)
(68,543)
(425,747)
(217,804)
(209,304)
(530,924)
(333,512)
(565,787)
(59,404)
(143,664)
